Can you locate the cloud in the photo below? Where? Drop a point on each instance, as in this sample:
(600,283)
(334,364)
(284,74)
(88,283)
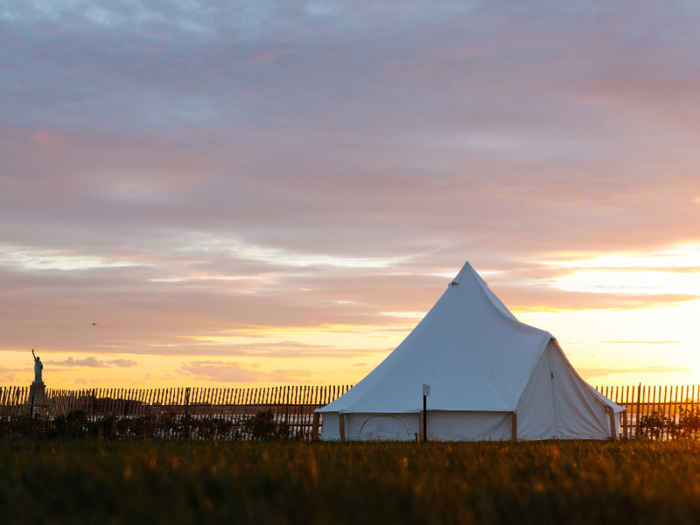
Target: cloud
(286,349)
(123,363)
(268,55)
(228,372)
(171,177)
(588,373)
(94,362)
(9,374)
(642,342)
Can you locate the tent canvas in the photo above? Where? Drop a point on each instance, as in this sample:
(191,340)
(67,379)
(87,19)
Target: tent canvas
(484,367)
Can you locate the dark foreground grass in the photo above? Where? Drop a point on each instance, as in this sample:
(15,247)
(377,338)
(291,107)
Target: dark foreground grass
(133,483)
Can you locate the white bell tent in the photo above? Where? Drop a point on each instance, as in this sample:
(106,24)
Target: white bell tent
(491,377)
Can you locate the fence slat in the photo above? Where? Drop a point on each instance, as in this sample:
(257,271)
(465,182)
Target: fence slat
(246,400)
(280,403)
(234,402)
(310,410)
(237,403)
(675,405)
(255,405)
(170,393)
(215,400)
(219,401)
(294,416)
(667,428)
(245,395)
(112,400)
(109,397)
(150,399)
(229,400)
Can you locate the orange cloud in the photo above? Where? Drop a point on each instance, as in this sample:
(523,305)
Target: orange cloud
(228,372)
(588,373)
(198,197)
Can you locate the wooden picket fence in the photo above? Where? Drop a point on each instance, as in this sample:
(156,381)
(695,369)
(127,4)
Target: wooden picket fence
(640,401)
(293,405)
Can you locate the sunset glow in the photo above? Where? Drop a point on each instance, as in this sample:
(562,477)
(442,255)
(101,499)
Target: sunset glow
(247,194)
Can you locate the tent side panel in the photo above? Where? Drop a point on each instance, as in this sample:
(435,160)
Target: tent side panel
(382,427)
(468,426)
(442,426)
(536,418)
(371,427)
(578,411)
(331,427)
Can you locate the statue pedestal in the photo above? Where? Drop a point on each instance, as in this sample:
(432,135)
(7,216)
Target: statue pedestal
(38,387)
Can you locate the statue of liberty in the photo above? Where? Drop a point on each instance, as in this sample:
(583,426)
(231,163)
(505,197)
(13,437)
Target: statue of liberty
(38,367)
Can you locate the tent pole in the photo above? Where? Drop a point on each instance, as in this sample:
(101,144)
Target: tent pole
(514,426)
(425,413)
(341,419)
(421,437)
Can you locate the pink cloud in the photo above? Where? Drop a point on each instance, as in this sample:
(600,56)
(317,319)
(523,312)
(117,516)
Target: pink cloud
(197,192)
(44,139)
(268,55)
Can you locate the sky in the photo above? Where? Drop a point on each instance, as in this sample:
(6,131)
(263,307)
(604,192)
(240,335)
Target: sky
(220,194)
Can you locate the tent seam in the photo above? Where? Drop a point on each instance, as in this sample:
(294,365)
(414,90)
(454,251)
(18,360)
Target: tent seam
(554,400)
(481,330)
(447,329)
(592,391)
(534,365)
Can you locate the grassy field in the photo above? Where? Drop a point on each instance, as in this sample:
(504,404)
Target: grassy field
(86,482)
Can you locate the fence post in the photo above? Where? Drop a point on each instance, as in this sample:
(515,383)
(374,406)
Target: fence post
(636,423)
(286,401)
(624,424)
(314,431)
(187,400)
(613,430)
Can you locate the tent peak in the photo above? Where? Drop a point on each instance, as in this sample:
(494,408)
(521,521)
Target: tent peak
(458,277)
